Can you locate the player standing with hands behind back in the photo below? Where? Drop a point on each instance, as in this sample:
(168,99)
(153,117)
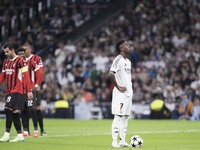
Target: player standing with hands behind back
(120,76)
(29,106)
(15,73)
(35,67)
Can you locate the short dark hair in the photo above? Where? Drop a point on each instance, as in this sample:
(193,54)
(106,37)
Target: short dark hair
(28,44)
(20,49)
(118,45)
(8,45)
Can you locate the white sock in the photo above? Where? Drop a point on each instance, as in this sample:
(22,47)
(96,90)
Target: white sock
(115,127)
(7,134)
(26,132)
(123,128)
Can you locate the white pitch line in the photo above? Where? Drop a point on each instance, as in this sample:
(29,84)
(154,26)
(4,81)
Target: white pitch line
(142,132)
(172,131)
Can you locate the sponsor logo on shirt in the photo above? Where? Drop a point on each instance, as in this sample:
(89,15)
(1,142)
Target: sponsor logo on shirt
(127,70)
(9,71)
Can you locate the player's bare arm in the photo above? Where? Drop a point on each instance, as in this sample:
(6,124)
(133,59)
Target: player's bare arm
(113,80)
(2,77)
(30,95)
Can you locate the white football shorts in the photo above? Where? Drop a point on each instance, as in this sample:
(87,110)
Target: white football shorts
(121,103)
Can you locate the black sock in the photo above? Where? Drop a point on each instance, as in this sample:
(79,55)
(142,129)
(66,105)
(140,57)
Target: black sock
(40,120)
(33,115)
(9,118)
(17,122)
(25,120)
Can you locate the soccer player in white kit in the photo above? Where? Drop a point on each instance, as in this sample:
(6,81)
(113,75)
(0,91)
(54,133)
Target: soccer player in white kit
(120,76)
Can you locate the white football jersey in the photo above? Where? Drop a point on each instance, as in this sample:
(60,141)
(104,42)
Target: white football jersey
(122,102)
(122,67)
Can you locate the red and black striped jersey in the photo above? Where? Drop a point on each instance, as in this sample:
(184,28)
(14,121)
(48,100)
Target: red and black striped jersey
(13,72)
(35,68)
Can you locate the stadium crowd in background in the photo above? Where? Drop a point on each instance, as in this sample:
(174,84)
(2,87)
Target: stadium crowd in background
(165,34)
(43,21)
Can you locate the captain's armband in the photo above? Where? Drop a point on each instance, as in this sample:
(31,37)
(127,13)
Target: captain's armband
(24,69)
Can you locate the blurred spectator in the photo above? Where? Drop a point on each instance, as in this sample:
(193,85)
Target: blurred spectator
(64,76)
(159,110)
(138,93)
(101,61)
(60,55)
(68,93)
(88,96)
(62,109)
(70,47)
(185,107)
(81,107)
(196,108)
(94,74)
(170,105)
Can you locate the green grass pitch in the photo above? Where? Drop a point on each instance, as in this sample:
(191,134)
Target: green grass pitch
(65,134)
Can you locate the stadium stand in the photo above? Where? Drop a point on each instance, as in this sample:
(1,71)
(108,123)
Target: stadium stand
(165,35)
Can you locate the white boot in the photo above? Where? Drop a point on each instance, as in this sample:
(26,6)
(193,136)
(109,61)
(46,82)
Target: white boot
(18,138)
(5,137)
(123,144)
(115,144)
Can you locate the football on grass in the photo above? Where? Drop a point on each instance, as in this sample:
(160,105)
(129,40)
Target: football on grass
(136,141)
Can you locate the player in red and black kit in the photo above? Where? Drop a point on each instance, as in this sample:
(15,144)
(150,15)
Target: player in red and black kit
(15,73)
(29,105)
(35,67)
